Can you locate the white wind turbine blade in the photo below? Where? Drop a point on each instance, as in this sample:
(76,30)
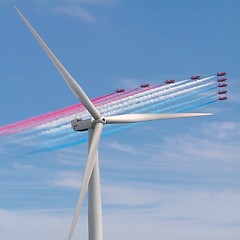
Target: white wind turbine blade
(87,174)
(133,118)
(74,86)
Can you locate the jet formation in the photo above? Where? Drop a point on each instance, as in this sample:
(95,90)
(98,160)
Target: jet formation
(221,84)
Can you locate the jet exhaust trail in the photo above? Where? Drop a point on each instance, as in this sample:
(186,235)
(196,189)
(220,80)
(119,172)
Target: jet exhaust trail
(83,139)
(104,101)
(53,131)
(65,137)
(125,104)
(108,131)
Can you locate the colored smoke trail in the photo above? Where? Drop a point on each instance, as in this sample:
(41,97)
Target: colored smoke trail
(151,107)
(125,104)
(44,118)
(53,148)
(109,132)
(78,109)
(127,126)
(31,122)
(73,134)
(141,102)
(131,105)
(197,106)
(72,110)
(140,98)
(67,116)
(125,95)
(159,98)
(183,104)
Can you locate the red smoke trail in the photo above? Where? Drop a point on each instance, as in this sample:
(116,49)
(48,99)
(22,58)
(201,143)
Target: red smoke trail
(34,121)
(77,108)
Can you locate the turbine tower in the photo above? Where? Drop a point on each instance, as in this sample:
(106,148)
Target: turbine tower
(94,126)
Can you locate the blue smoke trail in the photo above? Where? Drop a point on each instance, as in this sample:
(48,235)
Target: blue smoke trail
(144,108)
(177,111)
(73,134)
(152,93)
(140,109)
(197,106)
(54,148)
(75,142)
(153,106)
(184,103)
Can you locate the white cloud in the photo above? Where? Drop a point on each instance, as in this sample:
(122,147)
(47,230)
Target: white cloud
(34,224)
(128,83)
(77,8)
(130,194)
(215,140)
(181,215)
(121,147)
(201,148)
(69,179)
(175,214)
(93,1)
(222,130)
(26,167)
(76,11)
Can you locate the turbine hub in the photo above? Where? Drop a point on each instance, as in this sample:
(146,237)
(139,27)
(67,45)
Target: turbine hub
(102,120)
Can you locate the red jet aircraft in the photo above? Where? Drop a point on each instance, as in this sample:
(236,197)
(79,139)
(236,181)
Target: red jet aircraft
(195,77)
(222,79)
(144,85)
(222,85)
(120,90)
(170,81)
(222,92)
(221,74)
(222,98)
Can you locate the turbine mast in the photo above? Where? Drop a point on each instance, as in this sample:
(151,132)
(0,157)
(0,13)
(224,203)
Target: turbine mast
(94,200)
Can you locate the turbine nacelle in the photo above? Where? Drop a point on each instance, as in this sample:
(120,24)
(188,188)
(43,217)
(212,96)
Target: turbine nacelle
(81,125)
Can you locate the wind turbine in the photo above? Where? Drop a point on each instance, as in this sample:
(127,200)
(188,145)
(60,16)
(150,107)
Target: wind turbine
(94,125)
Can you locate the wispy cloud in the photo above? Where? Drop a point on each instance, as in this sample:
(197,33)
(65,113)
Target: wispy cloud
(26,167)
(128,82)
(206,155)
(121,147)
(76,11)
(33,225)
(222,130)
(93,1)
(182,215)
(177,214)
(130,194)
(77,8)
(68,179)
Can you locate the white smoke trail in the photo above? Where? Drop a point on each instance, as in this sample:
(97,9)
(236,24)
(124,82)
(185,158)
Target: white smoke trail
(147,101)
(120,108)
(85,114)
(60,144)
(128,103)
(176,107)
(142,102)
(171,100)
(150,94)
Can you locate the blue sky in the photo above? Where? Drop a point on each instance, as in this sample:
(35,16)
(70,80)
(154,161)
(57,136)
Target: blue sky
(175,179)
